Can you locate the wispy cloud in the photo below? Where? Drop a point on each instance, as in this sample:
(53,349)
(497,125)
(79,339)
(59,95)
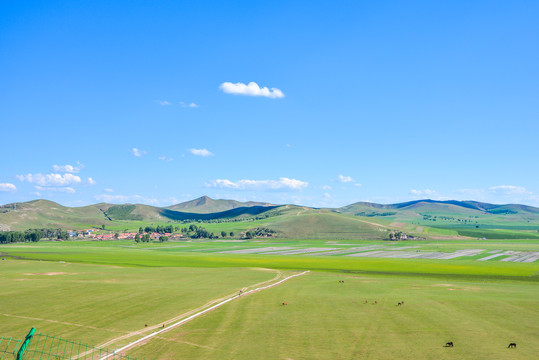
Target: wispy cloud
(63,189)
(281,184)
(126,199)
(138,153)
(251,89)
(51,179)
(91,181)
(426,192)
(201,152)
(108,190)
(7,187)
(165,158)
(508,190)
(162,102)
(344,179)
(68,168)
(190,105)
(326,187)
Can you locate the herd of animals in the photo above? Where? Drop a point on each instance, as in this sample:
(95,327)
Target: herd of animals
(448,344)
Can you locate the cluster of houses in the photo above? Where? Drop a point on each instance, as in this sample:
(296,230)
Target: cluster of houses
(92,234)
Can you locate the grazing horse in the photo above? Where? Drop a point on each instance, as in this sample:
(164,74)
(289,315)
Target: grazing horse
(512,345)
(449,344)
(366,301)
(399,304)
(145,325)
(284,304)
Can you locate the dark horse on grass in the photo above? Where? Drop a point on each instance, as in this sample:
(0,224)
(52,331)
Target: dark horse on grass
(449,344)
(512,345)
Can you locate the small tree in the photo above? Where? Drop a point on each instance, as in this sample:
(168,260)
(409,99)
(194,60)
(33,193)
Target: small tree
(146,238)
(223,233)
(163,238)
(232,233)
(137,238)
(116,236)
(140,230)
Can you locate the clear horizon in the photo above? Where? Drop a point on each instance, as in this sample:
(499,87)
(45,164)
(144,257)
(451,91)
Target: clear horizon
(283,102)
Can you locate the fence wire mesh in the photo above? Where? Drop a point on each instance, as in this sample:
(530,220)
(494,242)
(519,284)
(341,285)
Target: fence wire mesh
(47,347)
(9,348)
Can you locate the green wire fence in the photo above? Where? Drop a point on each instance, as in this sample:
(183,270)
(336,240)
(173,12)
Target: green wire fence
(47,347)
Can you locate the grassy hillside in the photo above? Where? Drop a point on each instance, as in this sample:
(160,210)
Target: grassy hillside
(317,224)
(44,213)
(206,205)
(467,218)
(425,218)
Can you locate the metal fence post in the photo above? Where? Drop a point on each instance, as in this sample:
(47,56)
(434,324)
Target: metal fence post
(25,343)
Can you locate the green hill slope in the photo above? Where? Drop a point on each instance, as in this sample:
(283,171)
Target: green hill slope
(323,224)
(206,205)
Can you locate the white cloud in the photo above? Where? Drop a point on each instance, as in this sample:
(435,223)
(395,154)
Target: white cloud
(91,181)
(327,195)
(64,189)
(357,184)
(108,190)
(326,187)
(508,190)
(165,158)
(190,105)
(138,153)
(7,187)
(281,184)
(126,198)
(201,152)
(251,89)
(68,168)
(162,102)
(426,192)
(345,179)
(51,179)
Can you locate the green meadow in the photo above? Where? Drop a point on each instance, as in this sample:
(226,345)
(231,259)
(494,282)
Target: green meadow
(104,293)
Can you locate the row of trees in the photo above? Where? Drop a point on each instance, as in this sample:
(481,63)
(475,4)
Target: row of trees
(158,229)
(146,238)
(32,235)
(259,232)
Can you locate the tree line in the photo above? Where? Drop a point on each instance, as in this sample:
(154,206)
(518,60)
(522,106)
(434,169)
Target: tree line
(32,235)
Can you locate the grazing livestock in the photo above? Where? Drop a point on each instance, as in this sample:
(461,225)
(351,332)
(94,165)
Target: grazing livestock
(284,304)
(399,304)
(145,325)
(366,301)
(449,344)
(512,345)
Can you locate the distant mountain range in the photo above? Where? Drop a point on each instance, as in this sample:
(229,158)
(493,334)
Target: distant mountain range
(355,220)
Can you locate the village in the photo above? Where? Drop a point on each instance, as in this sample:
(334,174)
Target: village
(98,234)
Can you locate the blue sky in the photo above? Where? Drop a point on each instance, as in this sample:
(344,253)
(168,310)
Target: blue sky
(386,101)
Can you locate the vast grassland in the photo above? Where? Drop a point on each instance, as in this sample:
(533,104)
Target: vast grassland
(98,291)
(325,319)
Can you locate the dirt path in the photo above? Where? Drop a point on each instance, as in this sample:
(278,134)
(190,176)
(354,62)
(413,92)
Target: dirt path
(181,316)
(193,314)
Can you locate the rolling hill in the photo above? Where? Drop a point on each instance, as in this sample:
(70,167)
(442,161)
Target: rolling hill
(207,205)
(358,220)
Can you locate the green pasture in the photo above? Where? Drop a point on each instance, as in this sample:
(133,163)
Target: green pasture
(204,254)
(95,291)
(94,303)
(325,319)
